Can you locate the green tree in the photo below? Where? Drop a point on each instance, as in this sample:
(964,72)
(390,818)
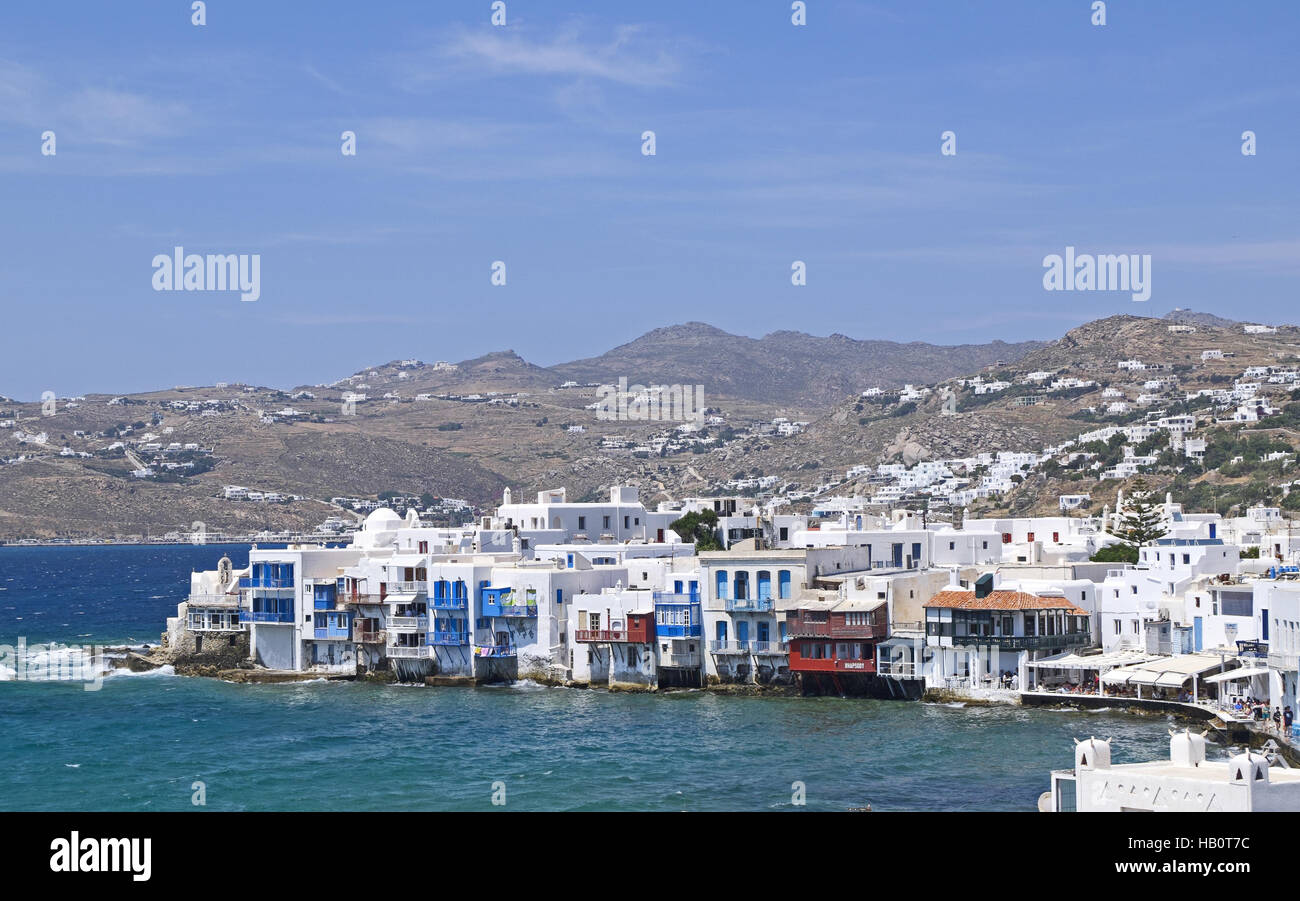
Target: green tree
(1141,521)
(700,528)
(1116,553)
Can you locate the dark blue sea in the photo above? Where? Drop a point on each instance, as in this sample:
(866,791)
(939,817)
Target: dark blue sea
(143,742)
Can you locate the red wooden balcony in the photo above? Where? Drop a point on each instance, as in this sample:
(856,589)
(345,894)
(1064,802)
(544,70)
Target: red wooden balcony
(830,665)
(799,628)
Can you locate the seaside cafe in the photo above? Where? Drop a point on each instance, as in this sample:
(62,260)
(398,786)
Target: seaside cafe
(1157,679)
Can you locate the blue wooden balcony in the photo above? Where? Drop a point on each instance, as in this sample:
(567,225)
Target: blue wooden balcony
(249,616)
(448,596)
(494,650)
(449,639)
(678,615)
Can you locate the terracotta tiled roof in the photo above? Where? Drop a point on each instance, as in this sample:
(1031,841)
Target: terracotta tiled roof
(1001,600)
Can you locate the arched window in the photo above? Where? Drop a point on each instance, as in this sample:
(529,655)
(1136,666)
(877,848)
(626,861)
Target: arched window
(764,585)
(783,583)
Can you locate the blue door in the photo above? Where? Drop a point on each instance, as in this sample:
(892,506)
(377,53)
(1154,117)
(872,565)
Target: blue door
(742,631)
(1196,632)
(722,630)
(763,632)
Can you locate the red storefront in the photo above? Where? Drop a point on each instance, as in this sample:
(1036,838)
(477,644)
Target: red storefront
(835,641)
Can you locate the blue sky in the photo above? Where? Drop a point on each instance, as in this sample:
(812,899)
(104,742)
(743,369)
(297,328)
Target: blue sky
(522,144)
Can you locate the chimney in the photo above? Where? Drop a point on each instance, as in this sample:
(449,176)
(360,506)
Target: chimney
(984,585)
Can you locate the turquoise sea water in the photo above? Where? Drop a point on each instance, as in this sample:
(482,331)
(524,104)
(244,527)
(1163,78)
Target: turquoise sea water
(143,740)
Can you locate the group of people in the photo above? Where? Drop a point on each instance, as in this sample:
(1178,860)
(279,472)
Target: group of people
(1278,718)
(1087,687)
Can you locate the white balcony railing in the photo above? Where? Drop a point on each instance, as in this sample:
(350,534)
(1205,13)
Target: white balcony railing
(408,623)
(213,600)
(407,652)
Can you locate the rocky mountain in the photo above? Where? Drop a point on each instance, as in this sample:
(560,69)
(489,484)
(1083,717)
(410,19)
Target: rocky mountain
(785,367)
(158,461)
(1026,416)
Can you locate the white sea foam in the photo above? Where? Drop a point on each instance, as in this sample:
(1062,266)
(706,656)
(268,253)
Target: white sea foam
(167,670)
(527,685)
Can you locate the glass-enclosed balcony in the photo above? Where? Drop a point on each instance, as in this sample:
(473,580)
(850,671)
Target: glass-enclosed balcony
(678,615)
(508,602)
(332,624)
(407,652)
(407,623)
(226,620)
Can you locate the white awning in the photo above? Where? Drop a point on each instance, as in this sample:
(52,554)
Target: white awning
(1090,661)
(1167,672)
(1234,675)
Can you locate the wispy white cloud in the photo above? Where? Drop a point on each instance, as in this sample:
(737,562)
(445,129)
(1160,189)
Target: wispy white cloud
(121,117)
(631,56)
(324,79)
(92,115)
